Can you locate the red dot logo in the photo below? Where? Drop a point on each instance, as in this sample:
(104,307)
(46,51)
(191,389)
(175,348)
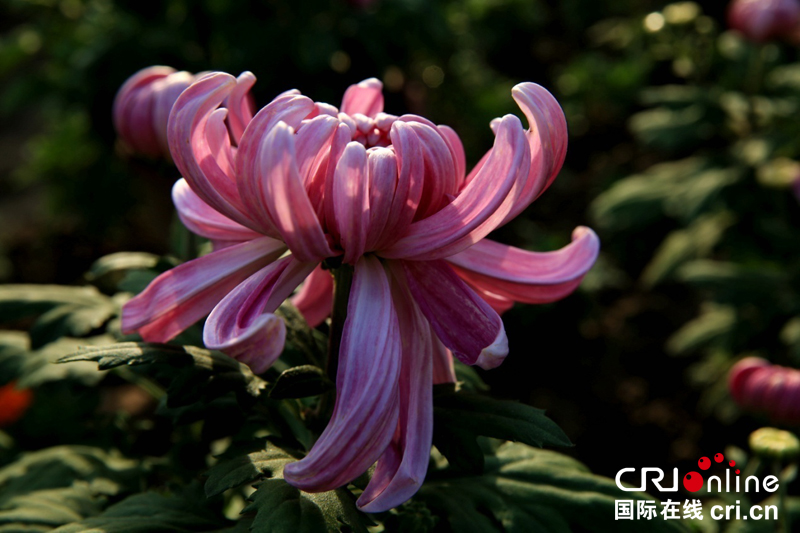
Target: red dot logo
(719,458)
(732,463)
(704,463)
(738,471)
(693,481)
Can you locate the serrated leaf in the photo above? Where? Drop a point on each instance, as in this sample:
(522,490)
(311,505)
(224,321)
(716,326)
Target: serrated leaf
(300,382)
(527,489)
(246,469)
(229,372)
(38,367)
(281,508)
(21,301)
(151,511)
(460,417)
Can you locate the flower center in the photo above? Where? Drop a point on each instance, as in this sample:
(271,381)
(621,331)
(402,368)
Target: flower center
(370,131)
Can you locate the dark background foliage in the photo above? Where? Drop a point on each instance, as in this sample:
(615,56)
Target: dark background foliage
(597,361)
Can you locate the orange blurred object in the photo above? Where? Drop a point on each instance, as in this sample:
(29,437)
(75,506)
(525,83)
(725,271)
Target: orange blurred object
(13,403)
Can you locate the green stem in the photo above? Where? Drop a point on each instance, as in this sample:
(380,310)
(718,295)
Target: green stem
(342,282)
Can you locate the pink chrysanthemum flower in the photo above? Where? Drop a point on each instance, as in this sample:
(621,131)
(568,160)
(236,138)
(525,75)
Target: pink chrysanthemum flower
(763,20)
(305,183)
(143,103)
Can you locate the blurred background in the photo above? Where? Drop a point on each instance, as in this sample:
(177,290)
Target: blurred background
(683,150)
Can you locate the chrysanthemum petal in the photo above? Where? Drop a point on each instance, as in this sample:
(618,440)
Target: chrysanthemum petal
(192,153)
(529,277)
(402,467)
(365,98)
(366,412)
(460,318)
(240,104)
(480,206)
(180,297)
(314,300)
(547,137)
(285,198)
(203,220)
(289,108)
(351,201)
(243,324)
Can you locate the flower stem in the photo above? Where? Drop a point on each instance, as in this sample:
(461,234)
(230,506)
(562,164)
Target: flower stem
(342,282)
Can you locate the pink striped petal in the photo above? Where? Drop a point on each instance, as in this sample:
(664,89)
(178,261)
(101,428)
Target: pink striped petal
(283,195)
(165,93)
(444,370)
(351,201)
(410,182)
(457,149)
(313,143)
(382,170)
(365,98)
(441,181)
(314,300)
(192,153)
(180,297)
(459,317)
(547,137)
(203,220)
(478,209)
(500,304)
(243,324)
(529,277)
(341,138)
(240,105)
(402,467)
(366,412)
(290,108)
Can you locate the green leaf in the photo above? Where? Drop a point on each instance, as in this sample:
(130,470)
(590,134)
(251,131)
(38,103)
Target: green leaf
(460,417)
(50,508)
(216,370)
(246,469)
(279,507)
(282,508)
(151,511)
(109,270)
(731,283)
(671,129)
(39,368)
(22,301)
(303,344)
(14,348)
(300,382)
(715,324)
(70,321)
(526,489)
(680,246)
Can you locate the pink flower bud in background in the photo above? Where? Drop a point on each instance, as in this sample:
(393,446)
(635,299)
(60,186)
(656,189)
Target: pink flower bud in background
(143,104)
(764,20)
(757,385)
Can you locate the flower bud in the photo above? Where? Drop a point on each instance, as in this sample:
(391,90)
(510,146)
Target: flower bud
(761,21)
(759,386)
(772,443)
(142,107)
